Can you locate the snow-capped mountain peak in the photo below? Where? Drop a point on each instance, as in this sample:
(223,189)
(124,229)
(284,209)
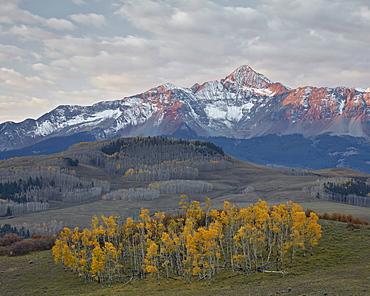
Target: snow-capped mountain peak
(244,104)
(246,76)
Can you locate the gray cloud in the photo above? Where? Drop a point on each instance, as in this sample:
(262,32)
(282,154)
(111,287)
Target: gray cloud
(10,13)
(19,81)
(10,52)
(28,33)
(91,19)
(59,24)
(119,48)
(20,106)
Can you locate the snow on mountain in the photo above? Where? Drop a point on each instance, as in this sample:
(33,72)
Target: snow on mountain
(244,104)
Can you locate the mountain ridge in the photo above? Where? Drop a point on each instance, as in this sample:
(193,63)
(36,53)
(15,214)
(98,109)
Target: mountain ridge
(244,104)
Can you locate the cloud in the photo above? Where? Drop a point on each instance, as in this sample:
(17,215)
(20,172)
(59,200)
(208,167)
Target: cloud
(68,46)
(119,48)
(20,107)
(59,24)
(284,38)
(85,97)
(10,52)
(78,2)
(111,82)
(28,33)
(203,18)
(18,80)
(91,19)
(10,13)
(52,73)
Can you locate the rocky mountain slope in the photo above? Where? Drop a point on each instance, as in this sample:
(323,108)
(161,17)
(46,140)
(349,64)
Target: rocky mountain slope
(243,105)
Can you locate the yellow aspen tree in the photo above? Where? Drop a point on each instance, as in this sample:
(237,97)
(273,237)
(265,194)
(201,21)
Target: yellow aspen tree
(274,244)
(151,260)
(130,240)
(242,258)
(57,250)
(313,233)
(207,210)
(297,233)
(112,265)
(98,263)
(230,219)
(145,232)
(261,219)
(167,249)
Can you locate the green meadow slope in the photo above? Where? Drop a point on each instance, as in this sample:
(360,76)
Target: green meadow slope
(339,266)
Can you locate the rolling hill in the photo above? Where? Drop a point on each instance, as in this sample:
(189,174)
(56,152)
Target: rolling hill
(73,182)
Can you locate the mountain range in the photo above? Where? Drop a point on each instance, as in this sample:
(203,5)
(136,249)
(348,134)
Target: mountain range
(243,106)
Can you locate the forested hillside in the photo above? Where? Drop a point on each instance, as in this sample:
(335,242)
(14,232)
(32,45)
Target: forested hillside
(31,183)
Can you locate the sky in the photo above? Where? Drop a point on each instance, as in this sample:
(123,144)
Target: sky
(57,52)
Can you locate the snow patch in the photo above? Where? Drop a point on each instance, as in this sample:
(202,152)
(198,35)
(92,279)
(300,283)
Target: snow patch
(248,106)
(234,113)
(341,107)
(46,127)
(262,92)
(215,113)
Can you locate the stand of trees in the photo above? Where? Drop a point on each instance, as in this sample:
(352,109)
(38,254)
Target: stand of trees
(164,171)
(181,186)
(349,191)
(153,159)
(132,194)
(193,245)
(32,187)
(20,231)
(10,207)
(28,184)
(28,229)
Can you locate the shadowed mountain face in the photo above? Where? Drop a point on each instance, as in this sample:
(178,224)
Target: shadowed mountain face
(243,105)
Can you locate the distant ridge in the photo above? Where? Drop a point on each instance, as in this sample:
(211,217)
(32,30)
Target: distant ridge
(243,105)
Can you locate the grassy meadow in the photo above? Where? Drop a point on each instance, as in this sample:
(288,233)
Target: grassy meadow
(340,266)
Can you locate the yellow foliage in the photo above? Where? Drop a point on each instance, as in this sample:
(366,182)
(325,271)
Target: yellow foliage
(196,244)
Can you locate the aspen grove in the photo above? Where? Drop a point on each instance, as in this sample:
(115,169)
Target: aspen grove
(196,244)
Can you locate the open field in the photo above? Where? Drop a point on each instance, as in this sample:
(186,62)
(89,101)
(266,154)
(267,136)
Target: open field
(339,266)
(269,184)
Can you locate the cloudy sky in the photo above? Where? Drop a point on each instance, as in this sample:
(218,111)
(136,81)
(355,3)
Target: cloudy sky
(55,52)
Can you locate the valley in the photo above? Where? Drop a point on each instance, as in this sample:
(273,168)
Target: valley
(265,183)
(122,164)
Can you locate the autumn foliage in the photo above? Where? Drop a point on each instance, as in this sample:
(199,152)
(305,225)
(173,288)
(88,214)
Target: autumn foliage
(13,245)
(196,244)
(343,218)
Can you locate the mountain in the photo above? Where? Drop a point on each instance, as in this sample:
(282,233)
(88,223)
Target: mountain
(243,105)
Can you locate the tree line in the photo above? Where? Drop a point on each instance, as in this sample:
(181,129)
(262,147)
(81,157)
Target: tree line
(26,230)
(132,194)
(350,191)
(29,183)
(195,244)
(181,186)
(28,189)
(153,158)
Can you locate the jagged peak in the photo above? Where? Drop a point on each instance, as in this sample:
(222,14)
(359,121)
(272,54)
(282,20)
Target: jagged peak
(245,75)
